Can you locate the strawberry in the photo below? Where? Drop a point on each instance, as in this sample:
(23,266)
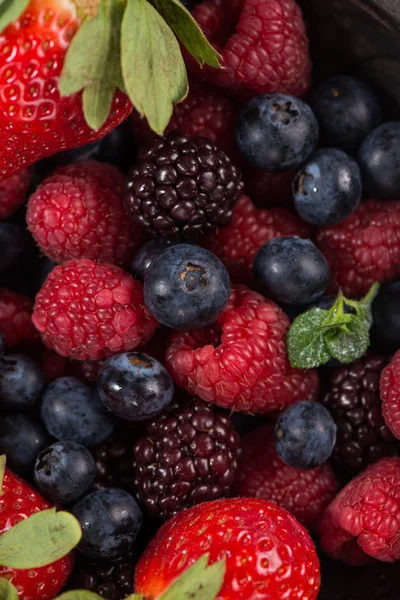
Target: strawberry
(59,90)
(268,554)
(18,502)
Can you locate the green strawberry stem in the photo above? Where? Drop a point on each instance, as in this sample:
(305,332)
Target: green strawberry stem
(318,335)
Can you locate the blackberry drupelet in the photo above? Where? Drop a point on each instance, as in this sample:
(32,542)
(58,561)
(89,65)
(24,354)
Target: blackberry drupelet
(113,460)
(182,187)
(188,455)
(354,401)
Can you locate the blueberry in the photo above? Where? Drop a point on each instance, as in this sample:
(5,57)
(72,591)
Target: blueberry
(111,520)
(2,345)
(305,435)
(347,109)
(134,386)
(291,271)
(186,287)
(143,258)
(328,188)
(73,411)
(22,437)
(385,331)
(21,382)
(15,244)
(379,160)
(64,472)
(276,132)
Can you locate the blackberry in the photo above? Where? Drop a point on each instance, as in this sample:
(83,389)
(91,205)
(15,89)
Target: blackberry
(188,455)
(113,460)
(354,401)
(182,187)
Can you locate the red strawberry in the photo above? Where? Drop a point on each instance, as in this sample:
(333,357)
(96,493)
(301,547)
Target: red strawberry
(18,502)
(34,120)
(269,555)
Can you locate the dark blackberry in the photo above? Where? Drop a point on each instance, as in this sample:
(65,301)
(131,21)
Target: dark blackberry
(113,460)
(354,401)
(182,187)
(188,455)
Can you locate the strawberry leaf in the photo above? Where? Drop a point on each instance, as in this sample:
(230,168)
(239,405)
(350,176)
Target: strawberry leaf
(78,595)
(153,69)
(95,68)
(39,540)
(199,582)
(10,10)
(188,31)
(3,460)
(7,590)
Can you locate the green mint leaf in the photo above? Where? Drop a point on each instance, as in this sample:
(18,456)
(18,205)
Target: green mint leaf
(10,10)
(188,31)
(95,68)
(349,343)
(153,69)
(78,595)
(199,582)
(39,540)
(7,590)
(305,341)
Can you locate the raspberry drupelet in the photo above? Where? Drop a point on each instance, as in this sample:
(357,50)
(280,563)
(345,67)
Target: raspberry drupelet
(16,318)
(237,244)
(364,248)
(86,310)
(362,522)
(241,362)
(390,394)
(263,474)
(77,212)
(13,191)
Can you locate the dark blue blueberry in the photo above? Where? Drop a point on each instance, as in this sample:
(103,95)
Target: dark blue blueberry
(111,520)
(305,435)
(276,132)
(186,287)
(73,411)
(64,472)
(2,345)
(15,244)
(328,188)
(347,109)
(379,160)
(291,271)
(134,386)
(385,331)
(22,437)
(21,382)
(143,258)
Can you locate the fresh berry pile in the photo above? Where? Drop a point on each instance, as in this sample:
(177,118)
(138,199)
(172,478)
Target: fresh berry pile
(199,308)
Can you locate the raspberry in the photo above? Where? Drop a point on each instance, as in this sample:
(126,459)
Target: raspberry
(268,189)
(188,454)
(85,370)
(16,318)
(206,112)
(263,44)
(262,474)
(53,365)
(354,401)
(363,520)
(182,186)
(13,192)
(364,248)
(88,310)
(241,363)
(78,213)
(238,243)
(390,394)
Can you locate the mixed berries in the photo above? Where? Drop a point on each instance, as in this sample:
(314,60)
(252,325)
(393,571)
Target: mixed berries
(200,316)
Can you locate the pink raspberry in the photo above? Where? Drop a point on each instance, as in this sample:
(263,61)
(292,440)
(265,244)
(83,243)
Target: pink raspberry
(263,44)
(390,394)
(78,212)
(268,189)
(241,363)
(363,521)
(364,248)
(16,318)
(262,474)
(13,192)
(206,112)
(238,243)
(87,310)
